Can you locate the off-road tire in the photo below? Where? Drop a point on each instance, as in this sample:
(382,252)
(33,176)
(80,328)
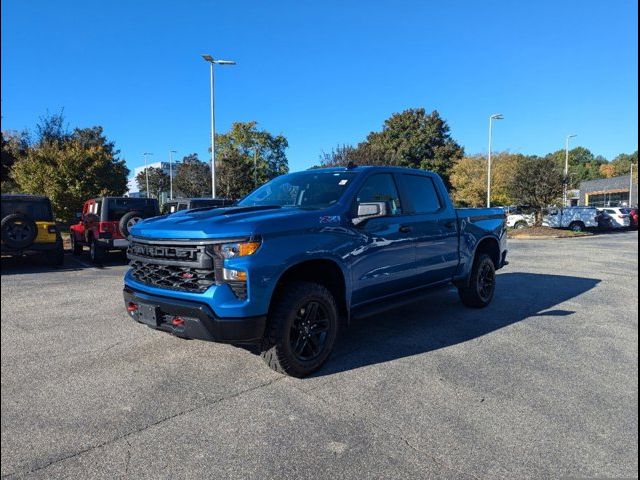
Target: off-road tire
(96,251)
(122,225)
(276,350)
(76,247)
(474,294)
(30,229)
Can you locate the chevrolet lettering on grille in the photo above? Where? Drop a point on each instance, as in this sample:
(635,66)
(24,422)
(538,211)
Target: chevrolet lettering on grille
(168,252)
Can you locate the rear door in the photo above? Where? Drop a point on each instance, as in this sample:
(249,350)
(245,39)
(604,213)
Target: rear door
(384,263)
(433,223)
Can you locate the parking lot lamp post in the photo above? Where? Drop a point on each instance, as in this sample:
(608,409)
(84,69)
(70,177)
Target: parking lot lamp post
(171,152)
(630,185)
(495,116)
(146,170)
(210,59)
(566,170)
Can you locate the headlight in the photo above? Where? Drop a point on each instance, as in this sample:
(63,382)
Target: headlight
(238,249)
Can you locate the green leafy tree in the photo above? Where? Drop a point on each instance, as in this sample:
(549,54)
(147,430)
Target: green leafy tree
(621,165)
(413,138)
(70,167)
(158,182)
(583,165)
(193,177)
(14,147)
(536,182)
(247,157)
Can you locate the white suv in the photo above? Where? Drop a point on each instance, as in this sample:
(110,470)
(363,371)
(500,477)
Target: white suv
(619,217)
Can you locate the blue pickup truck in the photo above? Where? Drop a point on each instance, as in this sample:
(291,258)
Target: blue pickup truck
(297,259)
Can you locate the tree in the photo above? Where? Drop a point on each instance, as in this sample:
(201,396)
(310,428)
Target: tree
(158,182)
(14,147)
(583,165)
(469,179)
(70,167)
(247,157)
(193,177)
(621,165)
(411,138)
(537,182)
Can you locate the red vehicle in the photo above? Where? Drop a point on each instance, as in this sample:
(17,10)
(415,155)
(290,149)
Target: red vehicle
(633,216)
(105,222)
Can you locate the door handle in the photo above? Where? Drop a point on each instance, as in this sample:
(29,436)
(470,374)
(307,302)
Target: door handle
(405,229)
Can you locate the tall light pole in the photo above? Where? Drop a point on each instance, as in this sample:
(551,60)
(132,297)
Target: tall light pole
(171,152)
(210,59)
(566,170)
(631,186)
(146,170)
(495,116)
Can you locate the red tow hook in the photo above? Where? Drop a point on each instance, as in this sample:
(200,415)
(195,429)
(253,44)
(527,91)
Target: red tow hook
(132,307)
(177,322)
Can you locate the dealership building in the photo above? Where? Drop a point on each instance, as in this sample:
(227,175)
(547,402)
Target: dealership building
(609,192)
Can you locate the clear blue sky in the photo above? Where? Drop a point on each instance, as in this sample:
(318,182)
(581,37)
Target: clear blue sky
(326,73)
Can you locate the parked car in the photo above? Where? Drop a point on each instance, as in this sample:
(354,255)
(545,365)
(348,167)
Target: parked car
(306,252)
(576,219)
(105,223)
(619,217)
(29,228)
(520,217)
(177,205)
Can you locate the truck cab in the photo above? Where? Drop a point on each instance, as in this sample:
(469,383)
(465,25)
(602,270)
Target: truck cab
(104,224)
(293,262)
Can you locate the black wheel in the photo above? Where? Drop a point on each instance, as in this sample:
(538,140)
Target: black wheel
(96,252)
(302,328)
(18,231)
(576,227)
(482,283)
(76,247)
(520,225)
(55,257)
(128,220)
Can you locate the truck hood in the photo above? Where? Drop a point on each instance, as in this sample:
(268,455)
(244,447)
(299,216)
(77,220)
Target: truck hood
(216,223)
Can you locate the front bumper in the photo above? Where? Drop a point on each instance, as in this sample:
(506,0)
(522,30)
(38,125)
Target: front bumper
(197,320)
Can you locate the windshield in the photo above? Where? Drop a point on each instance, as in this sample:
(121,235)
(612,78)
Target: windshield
(38,210)
(310,189)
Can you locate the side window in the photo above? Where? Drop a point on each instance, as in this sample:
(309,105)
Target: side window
(422,193)
(381,188)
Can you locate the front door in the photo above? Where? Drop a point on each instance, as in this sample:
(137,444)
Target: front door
(384,262)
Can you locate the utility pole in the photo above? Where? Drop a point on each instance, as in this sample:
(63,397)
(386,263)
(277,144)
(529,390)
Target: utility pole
(566,170)
(171,152)
(495,116)
(146,170)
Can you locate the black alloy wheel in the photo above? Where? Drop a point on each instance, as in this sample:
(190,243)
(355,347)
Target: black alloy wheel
(308,333)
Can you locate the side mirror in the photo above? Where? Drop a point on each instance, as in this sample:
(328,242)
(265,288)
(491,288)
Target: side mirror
(370,210)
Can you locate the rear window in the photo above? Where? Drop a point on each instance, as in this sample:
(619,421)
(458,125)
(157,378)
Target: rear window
(422,193)
(120,206)
(38,210)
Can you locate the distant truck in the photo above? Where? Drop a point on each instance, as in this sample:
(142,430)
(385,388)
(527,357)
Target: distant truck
(304,254)
(104,224)
(180,204)
(576,219)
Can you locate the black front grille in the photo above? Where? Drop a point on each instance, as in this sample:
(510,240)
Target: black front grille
(173,277)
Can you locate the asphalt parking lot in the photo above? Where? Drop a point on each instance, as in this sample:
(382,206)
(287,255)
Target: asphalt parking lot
(542,384)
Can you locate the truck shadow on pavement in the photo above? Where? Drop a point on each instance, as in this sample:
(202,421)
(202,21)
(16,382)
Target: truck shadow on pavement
(439,320)
(34,264)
